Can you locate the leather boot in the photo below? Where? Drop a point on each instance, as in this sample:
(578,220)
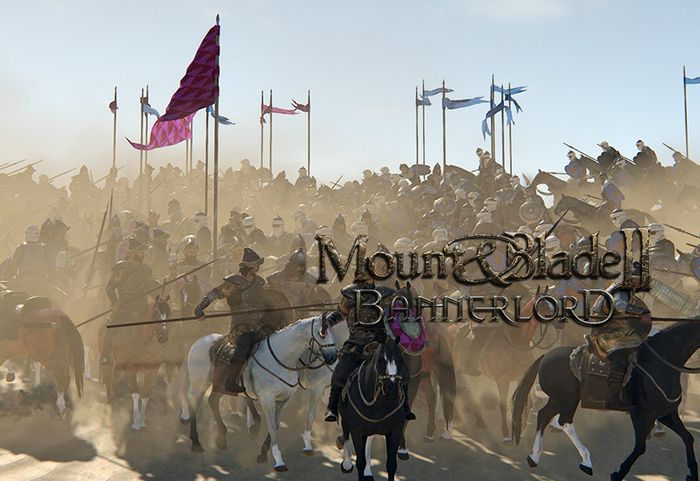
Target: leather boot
(233,375)
(615,399)
(333,400)
(407,406)
(225,377)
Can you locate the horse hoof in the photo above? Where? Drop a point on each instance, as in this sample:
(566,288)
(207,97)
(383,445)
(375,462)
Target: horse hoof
(368,478)
(135,427)
(308,452)
(428,439)
(184,422)
(197,449)
(340,443)
(586,469)
(531,462)
(262,458)
(480,424)
(345,471)
(403,456)
(221,443)
(659,434)
(507,441)
(615,477)
(281,469)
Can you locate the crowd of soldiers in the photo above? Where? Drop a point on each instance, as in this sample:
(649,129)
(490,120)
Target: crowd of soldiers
(159,225)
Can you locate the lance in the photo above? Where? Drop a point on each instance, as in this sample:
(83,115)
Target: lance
(677,152)
(51,179)
(335,184)
(581,152)
(682,231)
(89,249)
(24,167)
(91,270)
(156,187)
(554,226)
(225,314)
(145,293)
(7,166)
(621,156)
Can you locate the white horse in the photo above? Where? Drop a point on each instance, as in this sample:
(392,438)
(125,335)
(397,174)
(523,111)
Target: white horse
(271,375)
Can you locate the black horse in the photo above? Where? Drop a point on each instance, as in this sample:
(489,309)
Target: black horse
(654,387)
(372,403)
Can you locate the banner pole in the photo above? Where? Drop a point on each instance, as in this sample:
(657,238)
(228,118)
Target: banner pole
(114,130)
(510,133)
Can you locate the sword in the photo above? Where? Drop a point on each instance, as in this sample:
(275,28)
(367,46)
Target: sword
(160,286)
(223,314)
(682,231)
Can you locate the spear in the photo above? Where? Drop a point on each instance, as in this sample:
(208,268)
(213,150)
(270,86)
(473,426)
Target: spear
(677,152)
(138,296)
(682,231)
(51,179)
(7,166)
(589,157)
(156,187)
(105,176)
(225,314)
(91,270)
(89,249)
(24,167)
(621,156)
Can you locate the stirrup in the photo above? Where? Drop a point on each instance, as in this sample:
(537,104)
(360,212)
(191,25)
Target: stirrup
(330,417)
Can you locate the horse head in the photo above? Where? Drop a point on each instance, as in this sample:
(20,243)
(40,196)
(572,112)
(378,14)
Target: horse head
(389,368)
(324,340)
(161,311)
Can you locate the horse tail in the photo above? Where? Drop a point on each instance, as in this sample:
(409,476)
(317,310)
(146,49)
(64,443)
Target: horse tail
(520,396)
(76,350)
(446,376)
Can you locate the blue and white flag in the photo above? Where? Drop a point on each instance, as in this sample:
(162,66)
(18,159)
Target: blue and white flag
(147,109)
(461,103)
(423,102)
(439,90)
(691,81)
(510,91)
(485,130)
(222,120)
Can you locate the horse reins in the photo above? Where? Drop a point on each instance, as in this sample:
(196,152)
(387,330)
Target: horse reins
(378,388)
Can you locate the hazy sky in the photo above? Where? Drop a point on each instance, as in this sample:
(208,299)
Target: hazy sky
(595,70)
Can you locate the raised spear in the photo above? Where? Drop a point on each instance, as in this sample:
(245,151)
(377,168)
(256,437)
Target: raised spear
(682,231)
(7,166)
(24,167)
(51,179)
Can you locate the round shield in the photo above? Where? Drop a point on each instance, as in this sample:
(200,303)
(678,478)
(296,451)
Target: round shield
(575,170)
(408,330)
(531,211)
(695,267)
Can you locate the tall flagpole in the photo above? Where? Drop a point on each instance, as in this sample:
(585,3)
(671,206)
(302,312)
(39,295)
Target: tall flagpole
(493,125)
(215,233)
(270,136)
(423,121)
(308,134)
(141,152)
(444,133)
(191,144)
(145,154)
(416,102)
(114,131)
(187,156)
(262,117)
(206,162)
(685,108)
(503,132)
(510,133)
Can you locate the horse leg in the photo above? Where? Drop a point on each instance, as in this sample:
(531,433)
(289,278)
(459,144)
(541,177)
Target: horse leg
(253,419)
(368,457)
(503,386)
(586,464)
(642,422)
(149,380)
(36,366)
(271,408)
(675,423)
(359,441)
(544,416)
(346,465)
(392,447)
(135,411)
(314,399)
(431,399)
(214,398)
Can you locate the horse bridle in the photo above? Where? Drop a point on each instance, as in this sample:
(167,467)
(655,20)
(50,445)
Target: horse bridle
(378,388)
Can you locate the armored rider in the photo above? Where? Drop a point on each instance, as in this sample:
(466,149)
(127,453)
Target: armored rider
(618,338)
(242,291)
(366,332)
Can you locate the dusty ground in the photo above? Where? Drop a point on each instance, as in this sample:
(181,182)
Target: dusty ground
(95,443)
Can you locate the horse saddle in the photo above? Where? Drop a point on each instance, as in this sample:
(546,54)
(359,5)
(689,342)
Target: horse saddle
(592,372)
(31,307)
(222,350)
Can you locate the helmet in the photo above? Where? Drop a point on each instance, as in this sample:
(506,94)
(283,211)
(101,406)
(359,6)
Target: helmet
(31,233)
(298,259)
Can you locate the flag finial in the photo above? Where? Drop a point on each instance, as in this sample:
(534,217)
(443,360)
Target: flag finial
(217,19)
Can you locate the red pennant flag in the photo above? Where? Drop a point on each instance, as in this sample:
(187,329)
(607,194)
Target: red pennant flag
(302,107)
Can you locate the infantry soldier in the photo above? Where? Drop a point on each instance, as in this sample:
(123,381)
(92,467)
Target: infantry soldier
(365,333)
(130,279)
(293,280)
(242,291)
(627,328)
(31,263)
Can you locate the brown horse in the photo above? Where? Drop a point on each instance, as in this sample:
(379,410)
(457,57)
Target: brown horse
(48,336)
(138,349)
(504,358)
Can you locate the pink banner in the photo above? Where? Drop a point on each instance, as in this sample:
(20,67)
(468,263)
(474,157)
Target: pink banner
(278,110)
(167,132)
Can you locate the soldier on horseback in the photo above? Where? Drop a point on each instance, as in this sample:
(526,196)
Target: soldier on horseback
(617,339)
(31,264)
(366,332)
(293,280)
(130,279)
(241,291)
